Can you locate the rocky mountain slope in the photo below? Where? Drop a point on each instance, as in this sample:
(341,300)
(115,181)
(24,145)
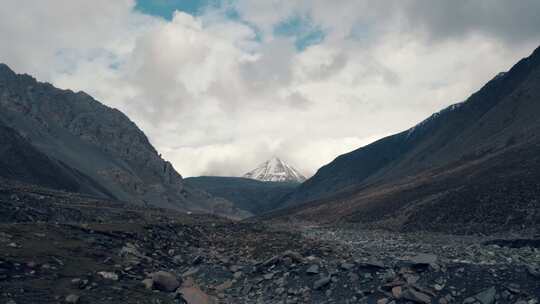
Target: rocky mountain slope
(275,170)
(247,194)
(473,166)
(90,148)
(21,161)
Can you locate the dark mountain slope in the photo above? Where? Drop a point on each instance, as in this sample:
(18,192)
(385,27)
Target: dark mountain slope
(471,167)
(19,160)
(488,121)
(498,193)
(98,142)
(254,196)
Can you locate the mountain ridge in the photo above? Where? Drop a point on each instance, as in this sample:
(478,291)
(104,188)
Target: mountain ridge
(99,142)
(377,158)
(399,176)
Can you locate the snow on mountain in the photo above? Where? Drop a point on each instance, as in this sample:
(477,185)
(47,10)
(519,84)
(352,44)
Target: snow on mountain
(434,116)
(275,170)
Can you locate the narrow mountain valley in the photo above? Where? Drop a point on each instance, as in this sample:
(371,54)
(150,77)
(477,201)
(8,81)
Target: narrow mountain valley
(445,212)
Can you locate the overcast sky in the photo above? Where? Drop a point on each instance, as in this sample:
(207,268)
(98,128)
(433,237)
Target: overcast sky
(221,86)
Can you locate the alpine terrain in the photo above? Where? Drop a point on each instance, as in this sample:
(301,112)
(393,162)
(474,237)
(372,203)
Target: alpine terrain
(275,170)
(445,212)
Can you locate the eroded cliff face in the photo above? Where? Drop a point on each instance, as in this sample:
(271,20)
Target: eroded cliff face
(104,145)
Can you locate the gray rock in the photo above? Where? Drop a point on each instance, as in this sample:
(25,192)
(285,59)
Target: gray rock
(287,261)
(197,260)
(177,259)
(347,266)
(235,268)
(72,299)
(313,269)
(487,296)
(247,289)
(295,256)
(271,261)
(108,275)
(190,272)
(224,260)
(372,264)
(165,281)
(534,271)
(416,296)
(424,259)
(81,284)
(225,285)
(353,277)
(469,300)
(237,275)
(321,282)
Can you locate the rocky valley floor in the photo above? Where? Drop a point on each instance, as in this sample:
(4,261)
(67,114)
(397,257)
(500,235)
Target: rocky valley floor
(58,247)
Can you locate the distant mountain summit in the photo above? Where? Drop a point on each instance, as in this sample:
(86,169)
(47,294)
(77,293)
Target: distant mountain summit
(275,170)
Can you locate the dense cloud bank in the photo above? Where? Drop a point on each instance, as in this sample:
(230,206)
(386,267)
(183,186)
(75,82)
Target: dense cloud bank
(219,94)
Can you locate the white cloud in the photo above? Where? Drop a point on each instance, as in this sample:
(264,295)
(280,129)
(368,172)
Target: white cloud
(216,99)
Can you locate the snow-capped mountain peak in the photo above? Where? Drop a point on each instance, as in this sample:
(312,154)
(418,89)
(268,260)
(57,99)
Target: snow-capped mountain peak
(275,170)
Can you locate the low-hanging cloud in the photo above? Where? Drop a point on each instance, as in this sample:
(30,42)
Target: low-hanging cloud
(509,21)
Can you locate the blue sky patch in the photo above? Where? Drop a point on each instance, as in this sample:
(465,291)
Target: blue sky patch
(166,8)
(302,30)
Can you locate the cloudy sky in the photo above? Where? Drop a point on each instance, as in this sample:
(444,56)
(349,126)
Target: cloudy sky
(221,85)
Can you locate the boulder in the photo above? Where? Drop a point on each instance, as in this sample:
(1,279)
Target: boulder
(108,275)
(423,260)
(148,283)
(487,296)
(295,256)
(72,299)
(313,269)
(165,281)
